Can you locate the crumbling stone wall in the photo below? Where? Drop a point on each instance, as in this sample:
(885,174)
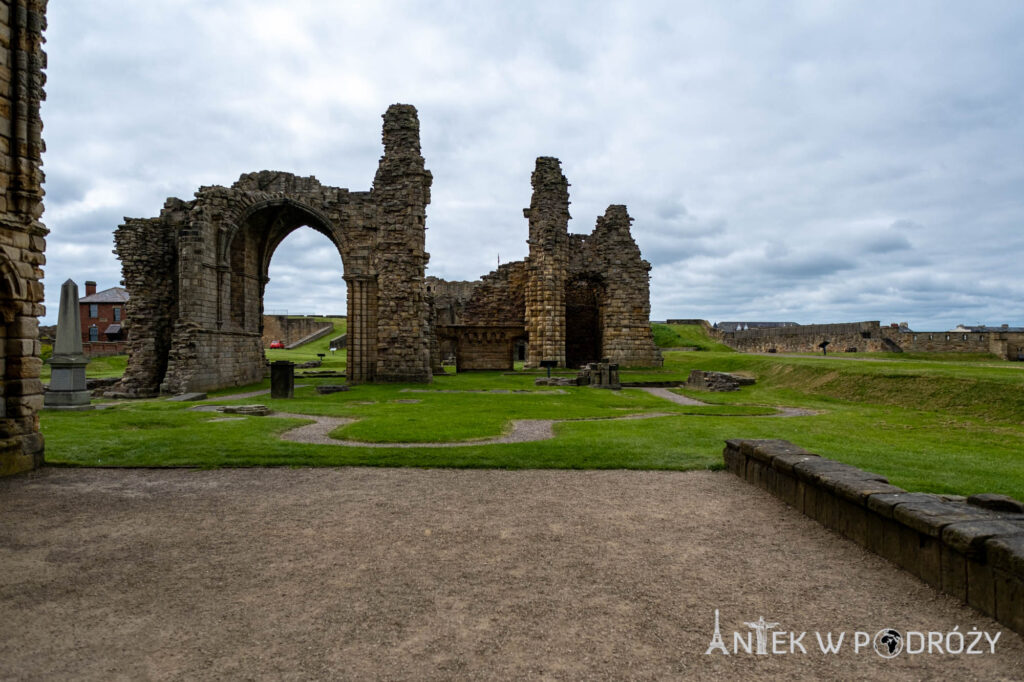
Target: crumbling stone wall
(577,298)
(22,234)
(198,271)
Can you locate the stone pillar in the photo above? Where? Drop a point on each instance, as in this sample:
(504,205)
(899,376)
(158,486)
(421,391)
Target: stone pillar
(22,234)
(67,376)
(401,192)
(545,288)
(362,328)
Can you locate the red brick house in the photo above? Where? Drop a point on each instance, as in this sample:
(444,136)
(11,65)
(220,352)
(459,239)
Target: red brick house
(103,323)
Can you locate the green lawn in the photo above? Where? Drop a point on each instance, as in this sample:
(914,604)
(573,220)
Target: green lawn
(928,424)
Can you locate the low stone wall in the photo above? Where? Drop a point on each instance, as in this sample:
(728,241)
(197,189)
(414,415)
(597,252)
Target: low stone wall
(968,551)
(99,349)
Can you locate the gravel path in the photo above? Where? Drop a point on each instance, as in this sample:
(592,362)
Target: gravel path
(363,573)
(523,430)
(684,400)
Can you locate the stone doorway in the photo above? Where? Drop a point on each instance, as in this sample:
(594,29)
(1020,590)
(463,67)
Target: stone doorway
(583,329)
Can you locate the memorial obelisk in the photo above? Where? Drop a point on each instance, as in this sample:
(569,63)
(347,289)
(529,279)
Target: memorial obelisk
(67,364)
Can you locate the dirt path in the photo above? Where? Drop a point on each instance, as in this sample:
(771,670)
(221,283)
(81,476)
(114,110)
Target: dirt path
(441,574)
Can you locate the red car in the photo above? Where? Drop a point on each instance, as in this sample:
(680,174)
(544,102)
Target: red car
(277,344)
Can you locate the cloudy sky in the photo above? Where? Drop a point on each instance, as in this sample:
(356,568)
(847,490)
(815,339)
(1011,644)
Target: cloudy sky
(805,161)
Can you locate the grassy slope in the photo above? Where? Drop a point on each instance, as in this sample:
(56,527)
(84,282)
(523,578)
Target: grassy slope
(682,335)
(309,351)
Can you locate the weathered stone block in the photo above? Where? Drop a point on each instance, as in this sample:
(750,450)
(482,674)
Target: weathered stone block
(953,572)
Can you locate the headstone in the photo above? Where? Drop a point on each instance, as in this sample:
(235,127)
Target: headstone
(282,379)
(67,375)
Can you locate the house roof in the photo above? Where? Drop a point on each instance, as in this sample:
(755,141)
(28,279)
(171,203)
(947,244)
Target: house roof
(111,295)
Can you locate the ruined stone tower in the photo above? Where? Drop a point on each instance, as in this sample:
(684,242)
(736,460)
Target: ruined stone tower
(545,286)
(22,235)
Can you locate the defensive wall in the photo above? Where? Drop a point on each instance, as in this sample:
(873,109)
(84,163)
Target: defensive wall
(872,337)
(291,329)
(971,549)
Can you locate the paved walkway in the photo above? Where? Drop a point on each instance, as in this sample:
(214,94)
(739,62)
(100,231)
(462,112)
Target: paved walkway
(364,573)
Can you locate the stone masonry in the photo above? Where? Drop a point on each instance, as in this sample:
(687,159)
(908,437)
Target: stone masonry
(197,272)
(22,235)
(576,299)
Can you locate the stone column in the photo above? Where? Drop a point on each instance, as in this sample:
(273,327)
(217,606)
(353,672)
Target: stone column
(361,336)
(545,288)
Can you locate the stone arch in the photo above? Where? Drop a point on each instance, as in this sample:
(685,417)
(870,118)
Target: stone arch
(197,273)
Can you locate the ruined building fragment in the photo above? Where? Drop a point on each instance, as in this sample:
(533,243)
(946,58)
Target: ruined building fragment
(197,272)
(575,299)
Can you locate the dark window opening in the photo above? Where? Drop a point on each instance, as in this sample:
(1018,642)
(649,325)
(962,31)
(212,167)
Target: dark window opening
(94,310)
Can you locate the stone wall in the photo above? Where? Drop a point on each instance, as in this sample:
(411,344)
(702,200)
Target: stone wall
(864,336)
(872,337)
(290,329)
(971,549)
(22,234)
(196,273)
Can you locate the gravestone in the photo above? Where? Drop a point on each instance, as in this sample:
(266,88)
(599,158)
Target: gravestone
(67,376)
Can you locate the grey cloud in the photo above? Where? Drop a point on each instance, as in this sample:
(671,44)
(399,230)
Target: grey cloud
(738,136)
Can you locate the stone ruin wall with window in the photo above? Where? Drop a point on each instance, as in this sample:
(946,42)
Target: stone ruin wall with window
(575,299)
(22,234)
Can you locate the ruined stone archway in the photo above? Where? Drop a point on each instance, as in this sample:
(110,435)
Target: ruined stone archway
(196,273)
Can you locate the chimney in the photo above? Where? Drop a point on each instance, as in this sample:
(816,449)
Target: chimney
(90,288)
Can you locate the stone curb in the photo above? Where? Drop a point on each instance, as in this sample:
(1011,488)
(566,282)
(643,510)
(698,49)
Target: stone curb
(972,552)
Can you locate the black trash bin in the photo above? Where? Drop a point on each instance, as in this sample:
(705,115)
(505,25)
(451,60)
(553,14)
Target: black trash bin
(282,379)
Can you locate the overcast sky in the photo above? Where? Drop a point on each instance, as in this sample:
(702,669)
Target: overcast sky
(804,161)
